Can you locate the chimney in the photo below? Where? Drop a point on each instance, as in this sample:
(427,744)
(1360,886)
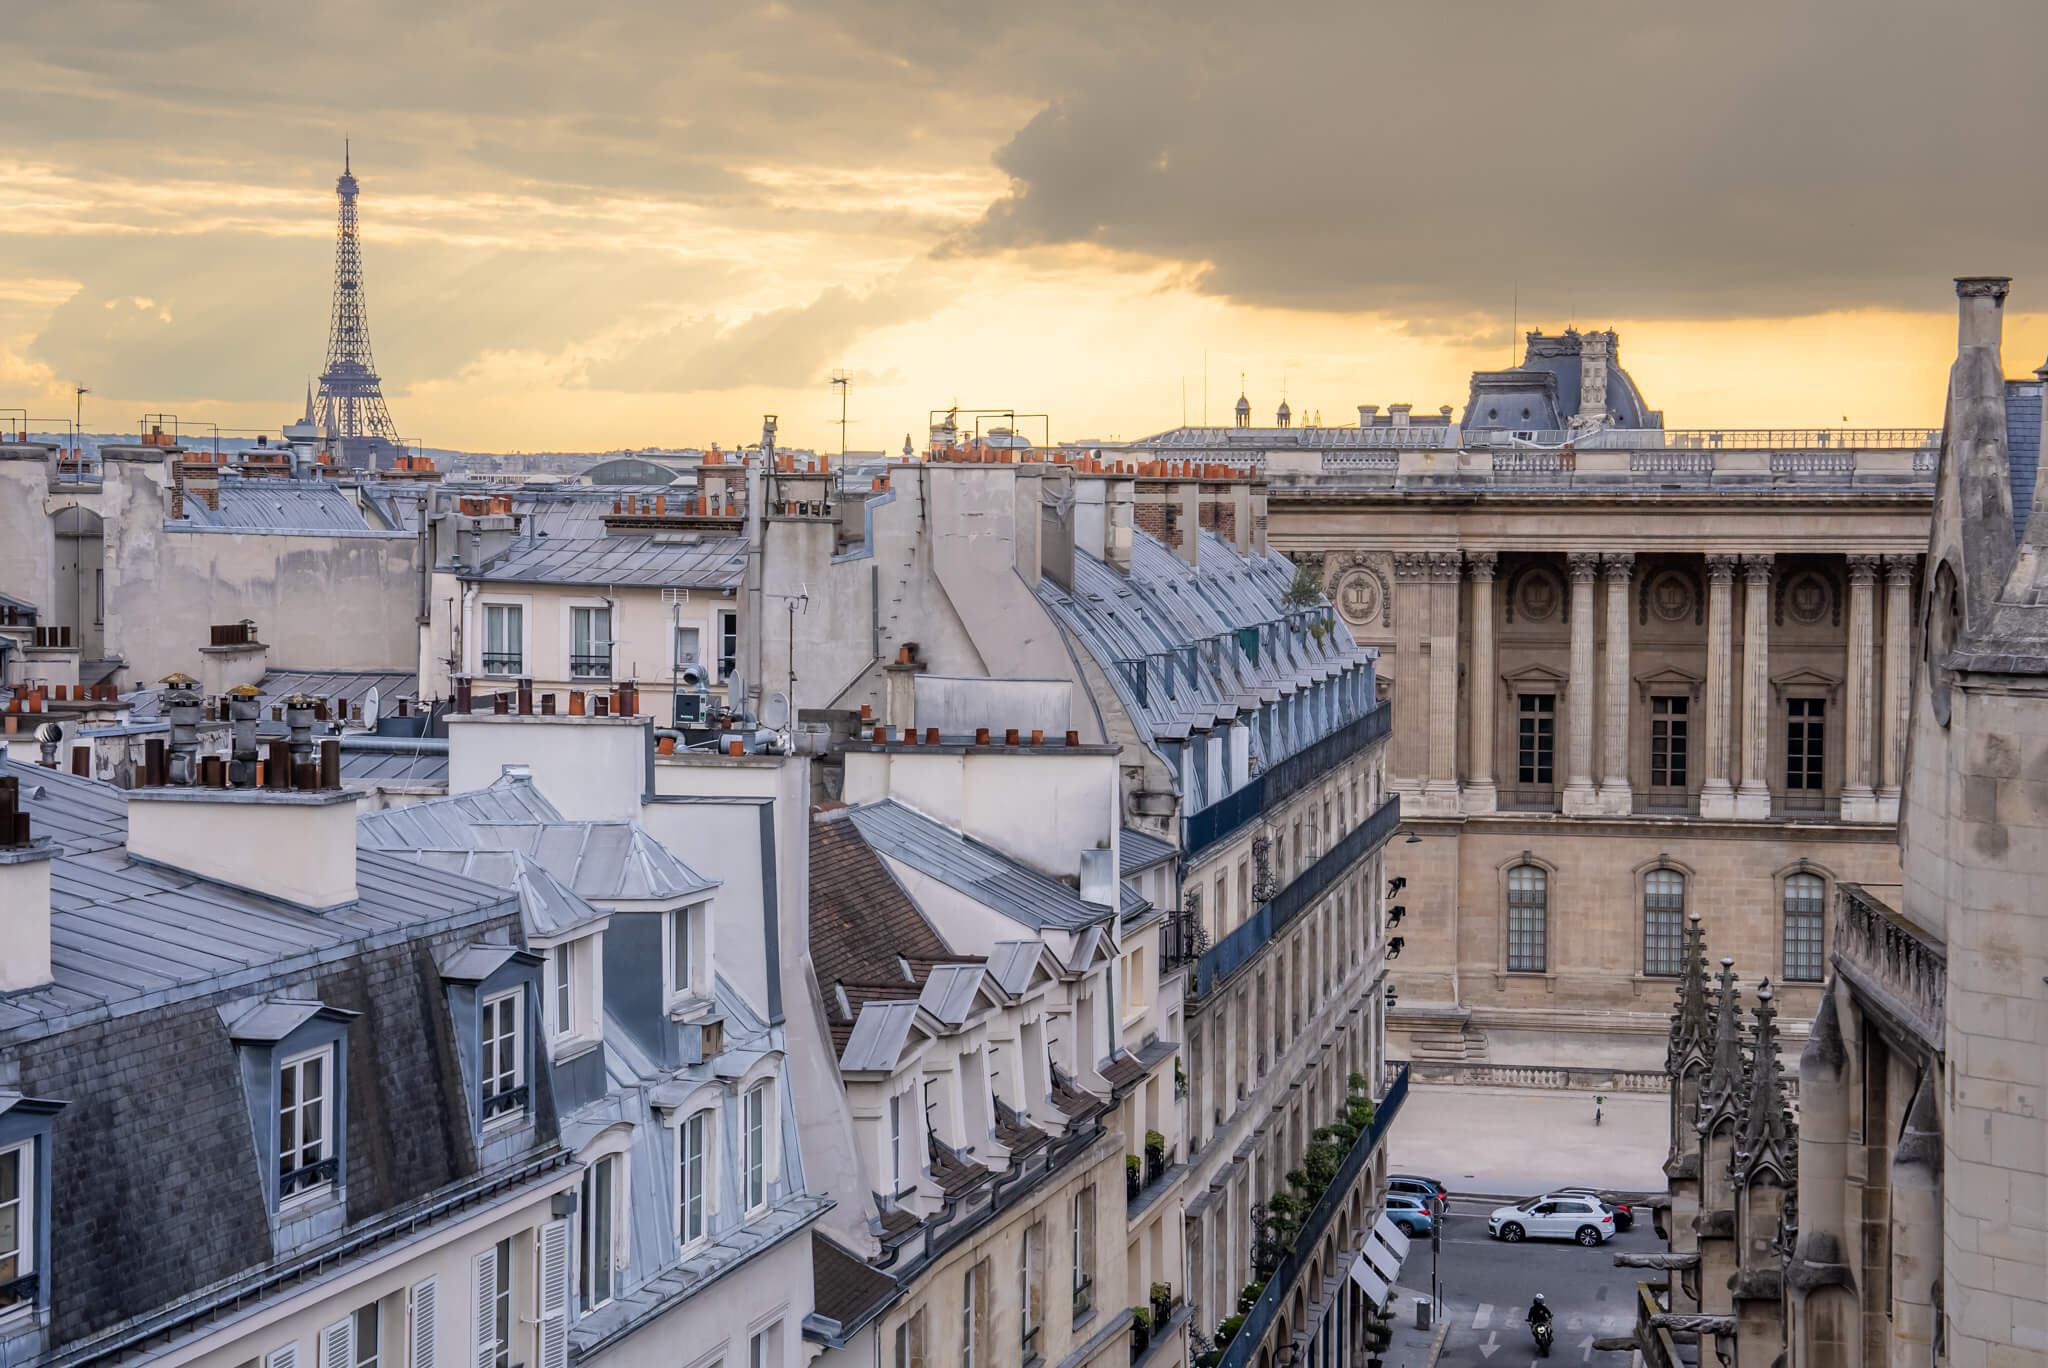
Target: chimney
(243,707)
(1121,496)
(1184,498)
(1399,413)
(295,845)
(593,764)
(1593,349)
(24,895)
(1056,509)
(1366,414)
(1099,878)
(181,707)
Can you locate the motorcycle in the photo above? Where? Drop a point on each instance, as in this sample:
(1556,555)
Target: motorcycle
(1541,1329)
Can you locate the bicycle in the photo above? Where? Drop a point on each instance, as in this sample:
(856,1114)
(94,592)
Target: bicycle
(1598,1101)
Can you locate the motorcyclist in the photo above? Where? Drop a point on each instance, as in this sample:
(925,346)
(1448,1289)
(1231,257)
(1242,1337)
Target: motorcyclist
(1539,1312)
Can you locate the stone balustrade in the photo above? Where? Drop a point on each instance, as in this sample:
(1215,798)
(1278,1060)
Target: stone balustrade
(1891,961)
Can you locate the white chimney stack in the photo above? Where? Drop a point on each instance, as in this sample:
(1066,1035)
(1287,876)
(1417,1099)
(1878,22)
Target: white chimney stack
(24,896)
(295,845)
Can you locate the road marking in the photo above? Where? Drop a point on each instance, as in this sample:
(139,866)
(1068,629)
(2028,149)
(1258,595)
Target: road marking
(1483,1316)
(1486,1350)
(1586,1349)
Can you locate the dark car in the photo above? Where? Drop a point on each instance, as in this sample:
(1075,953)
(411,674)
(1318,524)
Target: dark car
(1430,1190)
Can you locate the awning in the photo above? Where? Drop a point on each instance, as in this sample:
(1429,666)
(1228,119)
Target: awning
(1382,1259)
(1369,1280)
(1390,1235)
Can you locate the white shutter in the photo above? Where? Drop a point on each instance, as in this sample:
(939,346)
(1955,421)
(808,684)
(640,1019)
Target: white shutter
(485,1343)
(423,1324)
(287,1357)
(338,1344)
(554,1295)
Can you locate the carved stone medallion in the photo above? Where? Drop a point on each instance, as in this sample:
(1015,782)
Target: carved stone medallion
(1671,597)
(1358,596)
(1539,596)
(1806,599)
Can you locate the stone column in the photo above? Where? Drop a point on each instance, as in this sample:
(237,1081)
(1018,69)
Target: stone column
(1916,1230)
(1482,690)
(1753,796)
(1580,797)
(1820,1274)
(1615,797)
(1898,641)
(1440,794)
(1408,762)
(1717,795)
(1859,799)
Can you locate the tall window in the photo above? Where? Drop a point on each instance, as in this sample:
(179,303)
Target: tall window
(1667,747)
(1032,1288)
(896,1144)
(17,1223)
(1805,895)
(590,649)
(305,1121)
(974,1345)
(728,644)
(1528,917)
(1805,720)
(691,1176)
(368,1336)
(564,957)
(754,1146)
(681,934)
(504,639)
(1084,1253)
(910,1341)
(1663,920)
(503,1067)
(1535,740)
(501,1308)
(594,1283)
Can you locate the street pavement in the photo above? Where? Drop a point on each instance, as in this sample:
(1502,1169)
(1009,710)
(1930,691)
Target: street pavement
(1487,1288)
(1523,1141)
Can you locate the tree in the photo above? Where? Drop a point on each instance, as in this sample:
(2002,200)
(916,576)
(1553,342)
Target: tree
(1306,591)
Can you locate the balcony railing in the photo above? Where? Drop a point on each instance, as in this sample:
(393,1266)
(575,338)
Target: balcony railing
(1282,781)
(590,666)
(1892,962)
(1711,439)
(1231,953)
(1258,1322)
(502,662)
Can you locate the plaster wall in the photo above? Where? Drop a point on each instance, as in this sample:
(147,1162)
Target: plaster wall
(28,547)
(590,768)
(643,629)
(1042,809)
(717,1325)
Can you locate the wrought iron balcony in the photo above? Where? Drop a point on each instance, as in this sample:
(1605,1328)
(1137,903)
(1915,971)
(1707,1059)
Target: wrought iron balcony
(1282,781)
(502,662)
(1258,1322)
(1235,950)
(308,1177)
(1891,962)
(590,666)
(509,1100)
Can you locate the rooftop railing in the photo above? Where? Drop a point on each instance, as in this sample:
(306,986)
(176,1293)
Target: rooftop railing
(1892,962)
(1710,439)
(1258,1322)
(1235,950)
(1276,785)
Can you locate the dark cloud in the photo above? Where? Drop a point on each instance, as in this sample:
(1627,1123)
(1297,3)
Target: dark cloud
(1614,159)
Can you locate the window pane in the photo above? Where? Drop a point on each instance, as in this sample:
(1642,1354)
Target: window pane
(1527,916)
(1663,918)
(367,1336)
(1804,928)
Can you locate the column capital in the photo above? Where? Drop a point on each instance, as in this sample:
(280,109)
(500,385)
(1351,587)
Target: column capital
(1899,569)
(1411,565)
(1862,569)
(1618,566)
(1443,565)
(1480,565)
(1584,565)
(1756,569)
(1721,569)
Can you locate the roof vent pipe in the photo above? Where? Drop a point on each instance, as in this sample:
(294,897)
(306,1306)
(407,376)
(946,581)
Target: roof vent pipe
(182,706)
(243,707)
(298,717)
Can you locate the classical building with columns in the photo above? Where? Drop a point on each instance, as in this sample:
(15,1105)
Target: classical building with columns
(1639,670)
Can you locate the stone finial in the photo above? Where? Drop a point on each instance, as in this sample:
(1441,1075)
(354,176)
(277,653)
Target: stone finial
(1690,1023)
(1766,1141)
(1725,1069)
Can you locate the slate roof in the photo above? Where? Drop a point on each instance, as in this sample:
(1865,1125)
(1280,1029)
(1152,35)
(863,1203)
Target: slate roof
(1140,850)
(606,861)
(2023,402)
(426,765)
(713,562)
(281,683)
(564,511)
(1173,639)
(981,872)
(318,508)
(844,1289)
(127,935)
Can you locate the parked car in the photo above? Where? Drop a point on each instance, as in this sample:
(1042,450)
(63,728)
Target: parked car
(1415,1185)
(1624,1219)
(1410,1215)
(1552,1217)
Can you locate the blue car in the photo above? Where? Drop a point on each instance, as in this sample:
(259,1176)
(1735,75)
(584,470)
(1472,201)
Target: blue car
(1409,1214)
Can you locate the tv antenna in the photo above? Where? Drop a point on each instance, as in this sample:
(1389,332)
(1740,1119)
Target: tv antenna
(844,380)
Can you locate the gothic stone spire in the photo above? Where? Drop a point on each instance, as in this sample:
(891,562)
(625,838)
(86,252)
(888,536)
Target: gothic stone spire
(1765,1138)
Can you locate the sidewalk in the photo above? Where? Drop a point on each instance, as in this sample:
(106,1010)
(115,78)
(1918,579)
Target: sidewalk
(1413,1348)
(1521,1141)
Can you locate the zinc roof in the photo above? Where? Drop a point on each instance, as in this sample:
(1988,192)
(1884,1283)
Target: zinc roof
(987,875)
(711,562)
(279,506)
(1139,851)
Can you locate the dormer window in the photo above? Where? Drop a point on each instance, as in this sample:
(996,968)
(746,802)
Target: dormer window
(686,956)
(17,1228)
(306,1159)
(504,1064)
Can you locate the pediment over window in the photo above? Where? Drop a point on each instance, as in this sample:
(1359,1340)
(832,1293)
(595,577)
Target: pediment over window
(1806,683)
(1670,682)
(1537,679)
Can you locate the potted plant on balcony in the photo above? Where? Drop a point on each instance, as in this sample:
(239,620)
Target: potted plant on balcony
(1141,1330)
(1155,1155)
(1162,1303)
(1134,1178)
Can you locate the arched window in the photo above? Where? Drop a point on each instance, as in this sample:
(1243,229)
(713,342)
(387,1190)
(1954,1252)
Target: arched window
(1805,909)
(1528,918)
(1663,920)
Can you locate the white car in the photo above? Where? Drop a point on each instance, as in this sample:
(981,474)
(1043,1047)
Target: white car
(1552,1218)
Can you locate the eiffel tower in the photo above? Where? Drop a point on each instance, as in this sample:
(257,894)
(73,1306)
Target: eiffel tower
(353,423)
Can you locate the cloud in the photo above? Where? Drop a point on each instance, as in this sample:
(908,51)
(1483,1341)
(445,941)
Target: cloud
(787,347)
(1743,159)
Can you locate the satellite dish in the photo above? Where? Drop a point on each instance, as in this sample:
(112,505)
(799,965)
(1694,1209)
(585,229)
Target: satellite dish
(775,711)
(370,708)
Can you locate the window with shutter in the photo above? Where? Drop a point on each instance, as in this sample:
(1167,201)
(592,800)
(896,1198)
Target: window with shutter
(422,1336)
(287,1357)
(554,1295)
(337,1345)
(486,1348)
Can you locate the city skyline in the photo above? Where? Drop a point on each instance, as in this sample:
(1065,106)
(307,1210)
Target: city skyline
(591,235)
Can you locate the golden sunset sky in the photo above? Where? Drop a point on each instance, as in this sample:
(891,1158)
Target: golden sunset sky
(608,225)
